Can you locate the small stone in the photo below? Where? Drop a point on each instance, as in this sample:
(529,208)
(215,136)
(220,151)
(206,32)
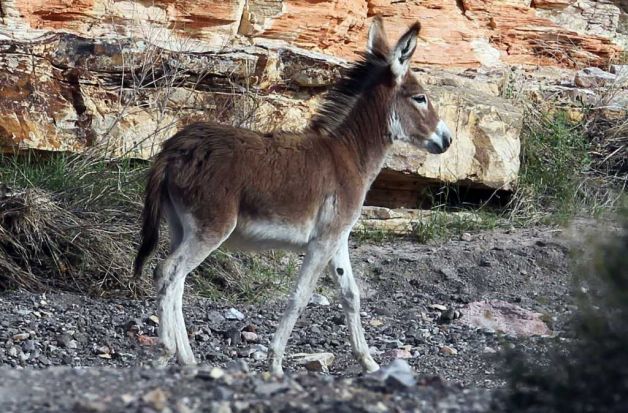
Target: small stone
(216,373)
(12,352)
(103,351)
(28,346)
(438,307)
(233,314)
(447,350)
(21,336)
(447,316)
(376,322)
(72,344)
(318,362)
(127,398)
(397,374)
(249,336)
(400,353)
(466,237)
(154,320)
(63,340)
(319,299)
(144,340)
(215,319)
(156,398)
(259,356)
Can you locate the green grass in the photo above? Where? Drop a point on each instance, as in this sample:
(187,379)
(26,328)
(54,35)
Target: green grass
(441,224)
(240,277)
(88,184)
(556,180)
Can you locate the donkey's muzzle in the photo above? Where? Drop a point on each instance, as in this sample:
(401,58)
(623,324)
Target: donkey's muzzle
(440,140)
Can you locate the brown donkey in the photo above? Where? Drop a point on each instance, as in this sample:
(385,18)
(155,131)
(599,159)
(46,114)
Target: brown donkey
(221,185)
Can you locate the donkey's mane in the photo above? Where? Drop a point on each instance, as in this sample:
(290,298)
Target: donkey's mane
(340,100)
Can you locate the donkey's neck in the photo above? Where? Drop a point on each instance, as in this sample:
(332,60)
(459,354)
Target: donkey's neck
(366,132)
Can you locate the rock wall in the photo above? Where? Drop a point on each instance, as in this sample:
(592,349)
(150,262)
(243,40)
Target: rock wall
(120,76)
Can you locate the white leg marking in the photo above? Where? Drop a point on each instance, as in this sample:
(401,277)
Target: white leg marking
(340,265)
(317,258)
(172,331)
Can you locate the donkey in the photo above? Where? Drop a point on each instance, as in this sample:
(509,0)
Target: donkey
(220,185)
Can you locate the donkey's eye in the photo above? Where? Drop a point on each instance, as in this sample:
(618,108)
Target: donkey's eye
(420,99)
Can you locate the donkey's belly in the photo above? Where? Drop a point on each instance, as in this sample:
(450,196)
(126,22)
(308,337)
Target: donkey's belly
(264,235)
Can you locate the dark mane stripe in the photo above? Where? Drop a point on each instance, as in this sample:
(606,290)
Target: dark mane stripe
(340,100)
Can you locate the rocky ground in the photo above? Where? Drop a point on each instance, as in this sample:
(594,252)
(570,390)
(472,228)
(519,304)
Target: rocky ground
(63,352)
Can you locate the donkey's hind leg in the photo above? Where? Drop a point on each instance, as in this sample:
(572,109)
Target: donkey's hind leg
(340,266)
(194,247)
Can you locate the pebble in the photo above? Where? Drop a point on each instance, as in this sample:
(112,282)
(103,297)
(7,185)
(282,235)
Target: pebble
(438,307)
(466,237)
(21,336)
(215,318)
(28,346)
(259,356)
(249,336)
(397,374)
(156,398)
(154,320)
(233,314)
(317,362)
(400,353)
(319,299)
(448,350)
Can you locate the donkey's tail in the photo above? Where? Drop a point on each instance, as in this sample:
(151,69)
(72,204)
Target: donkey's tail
(151,215)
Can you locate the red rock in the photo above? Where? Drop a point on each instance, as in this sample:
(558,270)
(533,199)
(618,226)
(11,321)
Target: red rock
(147,340)
(504,317)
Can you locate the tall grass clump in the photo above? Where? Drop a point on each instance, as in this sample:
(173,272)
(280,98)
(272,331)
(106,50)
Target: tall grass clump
(555,158)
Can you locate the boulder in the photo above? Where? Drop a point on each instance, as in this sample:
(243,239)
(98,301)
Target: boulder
(592,77)
(64,94)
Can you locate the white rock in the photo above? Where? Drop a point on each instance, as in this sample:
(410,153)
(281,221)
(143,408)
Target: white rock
(233,314)
(249,336)
(320,362)
(319,299)
(448,350)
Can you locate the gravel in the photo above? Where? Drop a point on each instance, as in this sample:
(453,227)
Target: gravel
(65,352)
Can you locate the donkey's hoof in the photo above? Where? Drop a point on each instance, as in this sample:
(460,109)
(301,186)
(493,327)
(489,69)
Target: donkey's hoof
(371,368)
(188,361)
(162,361)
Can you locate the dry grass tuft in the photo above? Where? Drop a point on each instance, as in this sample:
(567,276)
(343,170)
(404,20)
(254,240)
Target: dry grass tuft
(44,245)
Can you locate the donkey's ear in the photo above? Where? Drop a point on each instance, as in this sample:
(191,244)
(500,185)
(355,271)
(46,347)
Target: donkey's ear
(377,43)
(403,51)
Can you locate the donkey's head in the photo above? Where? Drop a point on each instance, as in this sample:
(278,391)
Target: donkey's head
(412,117)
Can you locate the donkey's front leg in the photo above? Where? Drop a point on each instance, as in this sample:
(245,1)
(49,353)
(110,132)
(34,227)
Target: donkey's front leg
(340,265)
(316,259)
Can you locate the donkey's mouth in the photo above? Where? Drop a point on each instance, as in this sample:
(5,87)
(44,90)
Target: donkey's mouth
(440,139)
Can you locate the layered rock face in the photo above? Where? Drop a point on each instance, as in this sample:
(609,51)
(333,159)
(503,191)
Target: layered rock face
(119,77)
